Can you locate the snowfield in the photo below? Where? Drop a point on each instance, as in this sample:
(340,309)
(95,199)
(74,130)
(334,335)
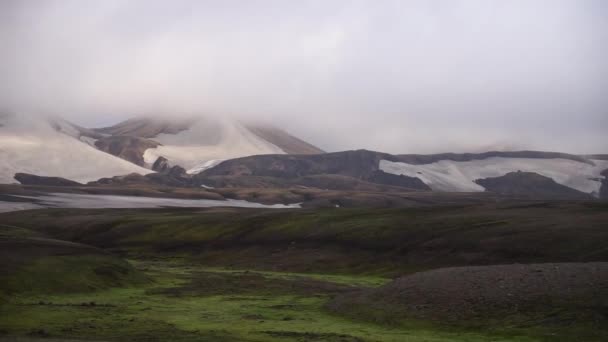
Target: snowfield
(206,144)
(447,175)
(204,166)
(32,145)
(64,200)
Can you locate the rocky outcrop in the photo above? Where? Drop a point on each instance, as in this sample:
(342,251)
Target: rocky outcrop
(382,177)
(175,176)
(530,185)
(126,147)
(29,179)
(147,127)
(161,165)
(604,189)
(359,164)
(332,170)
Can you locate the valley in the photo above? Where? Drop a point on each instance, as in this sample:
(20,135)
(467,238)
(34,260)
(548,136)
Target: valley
(247,274)
(209,229)
(303,171)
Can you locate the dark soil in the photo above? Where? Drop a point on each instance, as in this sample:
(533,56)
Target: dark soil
(552,293)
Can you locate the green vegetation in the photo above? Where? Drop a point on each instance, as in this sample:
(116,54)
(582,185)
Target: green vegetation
(67,274)
(383,242)
(31,263)
(169,309)
(223,274)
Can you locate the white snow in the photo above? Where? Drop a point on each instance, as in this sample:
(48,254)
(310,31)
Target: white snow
(31,145)
(447,175)
(66,128)
(204,166)
(6,206)
(206,142)
(65,200)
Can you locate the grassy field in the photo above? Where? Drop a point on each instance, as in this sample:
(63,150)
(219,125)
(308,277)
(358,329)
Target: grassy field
(261,275)
(387,242)
(188,303)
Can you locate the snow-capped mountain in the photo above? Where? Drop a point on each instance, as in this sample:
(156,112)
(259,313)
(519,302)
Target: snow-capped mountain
(199,143)
(462,176)
(54,147)
(516,173)
(225,152)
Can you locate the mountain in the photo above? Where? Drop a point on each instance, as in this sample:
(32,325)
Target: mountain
(460,174)
(126,147)
(530,184)
(55,148)
(552,174)
(224,153)
(195,143)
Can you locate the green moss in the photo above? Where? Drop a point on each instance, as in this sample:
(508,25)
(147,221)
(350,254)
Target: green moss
(71,273)
(147,313)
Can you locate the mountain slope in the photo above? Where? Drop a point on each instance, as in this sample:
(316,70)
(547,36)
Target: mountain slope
(205,141)
(53,148)
(530,184)
(283,140)
(145,127)
(449,175)
(126,147)
(199,143)
(446,172)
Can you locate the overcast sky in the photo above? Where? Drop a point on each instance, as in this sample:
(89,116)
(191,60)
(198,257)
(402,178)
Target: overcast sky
(397,76)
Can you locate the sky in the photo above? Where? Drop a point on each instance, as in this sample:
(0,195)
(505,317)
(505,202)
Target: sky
(396,76)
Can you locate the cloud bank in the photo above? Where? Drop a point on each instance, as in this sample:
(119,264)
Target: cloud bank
(398,76)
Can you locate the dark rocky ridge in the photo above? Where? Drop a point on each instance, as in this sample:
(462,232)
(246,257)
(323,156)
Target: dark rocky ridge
(530,185)
(485,291)
(29,179)
(598,156)
(146,127)
(175,177)
(161,165)
(361,165)
(126,147)
(320,181)
(432,158)
(364,165)
(604,188)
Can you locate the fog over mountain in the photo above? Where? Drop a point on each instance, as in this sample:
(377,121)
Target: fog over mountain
(396,76)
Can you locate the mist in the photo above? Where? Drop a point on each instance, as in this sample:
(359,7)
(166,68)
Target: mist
(395,76)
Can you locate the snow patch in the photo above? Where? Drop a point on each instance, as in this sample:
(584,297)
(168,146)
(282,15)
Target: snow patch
(204,166)
(66,200)
(204,143)
(33,146)
(448,175)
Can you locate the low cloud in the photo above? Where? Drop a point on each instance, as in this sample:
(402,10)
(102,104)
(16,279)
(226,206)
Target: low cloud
(398,76)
